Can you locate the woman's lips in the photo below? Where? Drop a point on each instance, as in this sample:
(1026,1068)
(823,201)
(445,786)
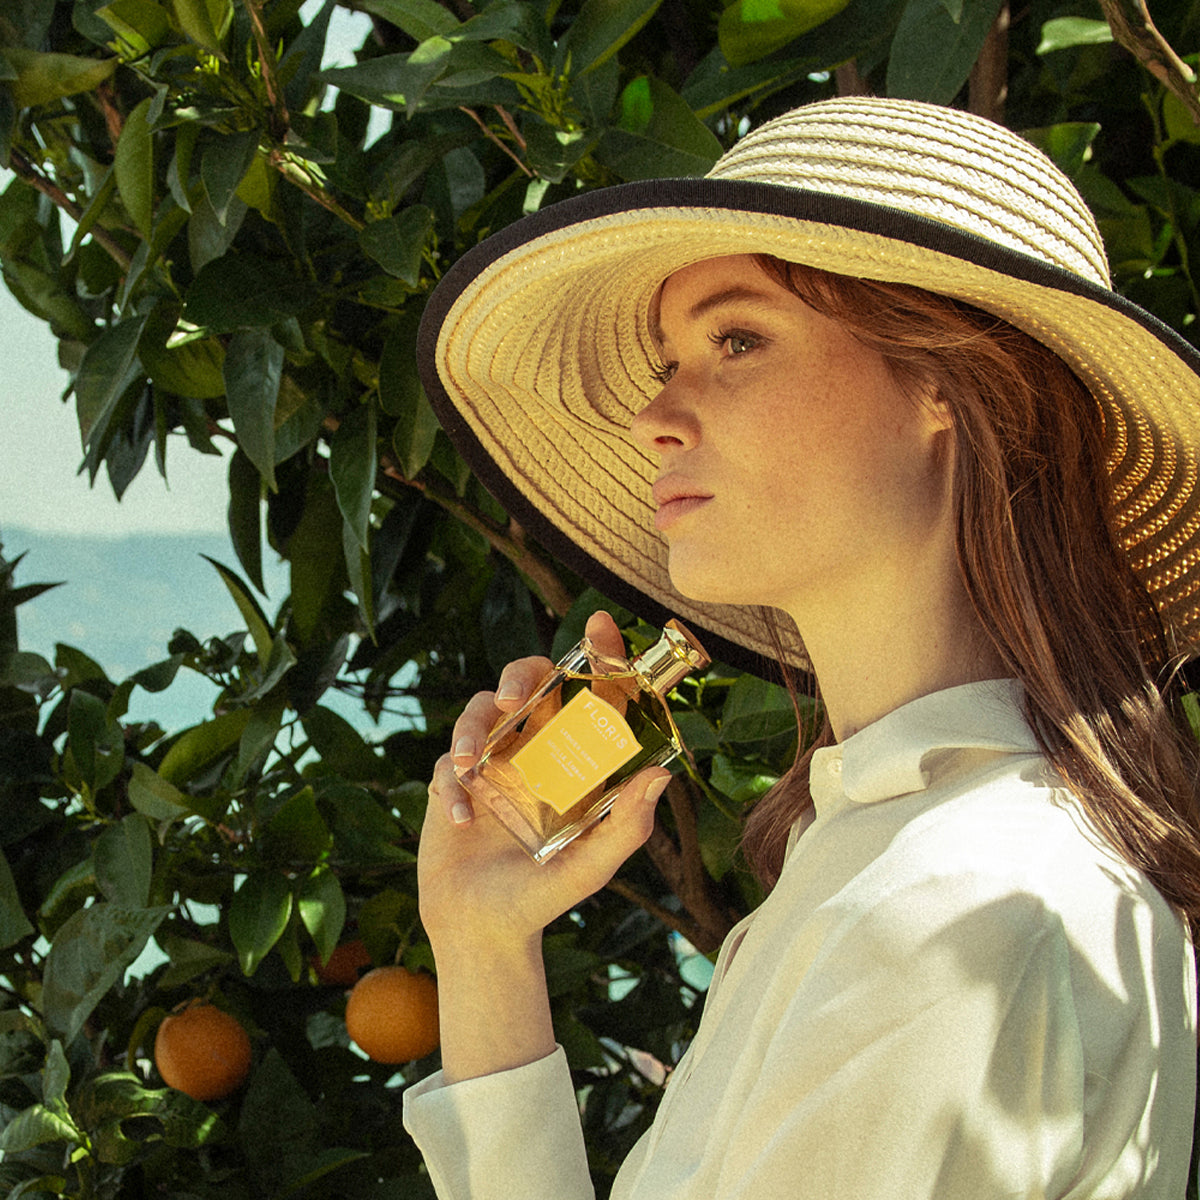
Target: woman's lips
(675,500)
(674,510)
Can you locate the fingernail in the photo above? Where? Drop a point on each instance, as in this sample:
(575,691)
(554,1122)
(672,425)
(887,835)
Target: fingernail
(464,747)
(461,813)
(656,788)
(508,691)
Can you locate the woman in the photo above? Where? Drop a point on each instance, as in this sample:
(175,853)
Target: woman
(860,401)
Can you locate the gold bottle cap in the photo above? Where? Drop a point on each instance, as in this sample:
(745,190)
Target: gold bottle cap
(672,658)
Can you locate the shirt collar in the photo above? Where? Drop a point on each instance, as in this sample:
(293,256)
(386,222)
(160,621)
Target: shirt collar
(889,757)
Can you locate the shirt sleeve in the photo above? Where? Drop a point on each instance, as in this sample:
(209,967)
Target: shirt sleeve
(514,1133)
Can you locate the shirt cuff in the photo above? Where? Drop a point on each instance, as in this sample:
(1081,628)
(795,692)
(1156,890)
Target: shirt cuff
(513,1133)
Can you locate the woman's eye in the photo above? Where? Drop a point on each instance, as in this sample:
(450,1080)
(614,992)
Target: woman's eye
(662,373)
(735,343)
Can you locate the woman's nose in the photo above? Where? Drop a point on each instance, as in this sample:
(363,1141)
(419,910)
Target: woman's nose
(666,422)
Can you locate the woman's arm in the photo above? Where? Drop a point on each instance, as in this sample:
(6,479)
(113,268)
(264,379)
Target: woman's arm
(485,903)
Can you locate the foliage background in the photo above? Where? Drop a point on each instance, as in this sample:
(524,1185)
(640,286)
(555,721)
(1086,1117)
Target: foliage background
(227,264)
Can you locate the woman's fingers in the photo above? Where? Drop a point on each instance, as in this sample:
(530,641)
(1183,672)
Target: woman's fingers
(449,794)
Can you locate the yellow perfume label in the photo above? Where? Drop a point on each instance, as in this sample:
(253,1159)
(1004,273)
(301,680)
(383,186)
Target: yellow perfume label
(576,751)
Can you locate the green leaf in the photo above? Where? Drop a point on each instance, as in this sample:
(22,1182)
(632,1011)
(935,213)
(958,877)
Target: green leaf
(252,614)
(253,367)
(397,244)
(1191,710)
(258,915)
(1068,144)
(322,906)
(363,831)
(740,781)
(297,832)
(154,797)
(133,166)
(188,959)
(697,731)
(194,369)
(755,710)
(97,744)
(245,515)
(141,25)
(14,925)
(600,30)
(749,30)
(124,859)
(35,1126)
(199,747)
(224,165)
(395,81)
(44,77)
(386,921)
(238,291)
(74,667)
(420,19)
(402,396)
(358,573)
(352,468)
(258,738)
(109,368)
(204,21)
(90,953)
(316,580)
(658,135)
(1061,33)
(56,1077)
(340,745)
(932,54)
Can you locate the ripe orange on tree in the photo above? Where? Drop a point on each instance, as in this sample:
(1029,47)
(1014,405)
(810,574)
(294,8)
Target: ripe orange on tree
(344,964)
(203,1051)
(392,1015)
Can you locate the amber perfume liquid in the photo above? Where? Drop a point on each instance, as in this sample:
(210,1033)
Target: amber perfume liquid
(552,769)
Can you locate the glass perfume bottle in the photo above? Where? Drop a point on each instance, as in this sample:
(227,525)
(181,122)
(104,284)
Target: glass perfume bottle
(553,768)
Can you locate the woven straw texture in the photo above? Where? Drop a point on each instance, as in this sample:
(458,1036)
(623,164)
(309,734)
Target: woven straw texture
(543,352)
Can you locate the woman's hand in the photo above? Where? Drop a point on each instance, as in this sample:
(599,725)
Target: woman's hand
(477,885)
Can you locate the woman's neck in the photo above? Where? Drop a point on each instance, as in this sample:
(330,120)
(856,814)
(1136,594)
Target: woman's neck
(892,642)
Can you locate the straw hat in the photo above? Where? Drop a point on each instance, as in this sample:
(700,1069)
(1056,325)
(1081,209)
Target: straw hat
(536,353)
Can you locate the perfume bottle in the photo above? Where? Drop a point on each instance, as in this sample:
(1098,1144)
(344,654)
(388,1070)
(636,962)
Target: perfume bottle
(553,768)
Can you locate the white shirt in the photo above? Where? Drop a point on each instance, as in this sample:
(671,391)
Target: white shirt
(956,990)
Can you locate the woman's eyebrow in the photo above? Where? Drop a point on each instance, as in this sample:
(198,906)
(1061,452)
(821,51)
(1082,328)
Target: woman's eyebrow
(730,295)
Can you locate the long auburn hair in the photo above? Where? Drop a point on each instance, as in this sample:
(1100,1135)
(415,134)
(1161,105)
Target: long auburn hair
(1047,578)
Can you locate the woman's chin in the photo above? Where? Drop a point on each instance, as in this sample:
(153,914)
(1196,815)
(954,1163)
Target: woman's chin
(703,587)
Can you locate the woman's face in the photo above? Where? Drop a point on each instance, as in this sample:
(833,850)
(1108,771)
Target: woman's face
(793,470)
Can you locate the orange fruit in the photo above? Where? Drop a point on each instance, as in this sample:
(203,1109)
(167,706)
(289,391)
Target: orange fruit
(202,1051)
(343,965)
(392,1015)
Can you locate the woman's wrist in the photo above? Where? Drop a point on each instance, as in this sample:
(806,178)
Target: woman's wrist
(494,1009)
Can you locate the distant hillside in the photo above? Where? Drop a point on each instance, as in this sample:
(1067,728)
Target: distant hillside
(121,600)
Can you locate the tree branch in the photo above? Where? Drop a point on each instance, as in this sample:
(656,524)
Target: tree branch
(28,173)
(676,922)
(1133,28)
(295,174)
(491,136)
(279,121)
(987,89)
(682,868)
(849,81)
(537,568)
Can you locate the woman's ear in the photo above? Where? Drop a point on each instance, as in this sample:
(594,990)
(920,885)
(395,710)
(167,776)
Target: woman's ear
(937,410)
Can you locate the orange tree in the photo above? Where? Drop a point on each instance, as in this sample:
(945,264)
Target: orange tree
(233,247)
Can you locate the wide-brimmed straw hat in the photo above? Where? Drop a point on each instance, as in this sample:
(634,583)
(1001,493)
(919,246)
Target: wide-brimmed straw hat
(536,351)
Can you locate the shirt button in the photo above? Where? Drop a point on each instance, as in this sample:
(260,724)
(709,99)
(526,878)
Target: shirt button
(835,766)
